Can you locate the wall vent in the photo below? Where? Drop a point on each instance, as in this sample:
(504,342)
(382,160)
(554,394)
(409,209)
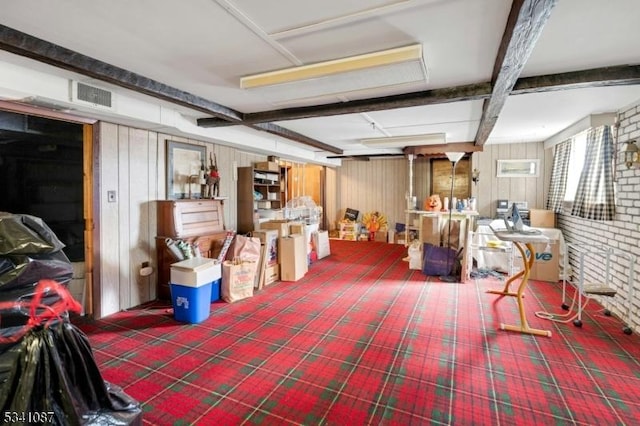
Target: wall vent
(97,97)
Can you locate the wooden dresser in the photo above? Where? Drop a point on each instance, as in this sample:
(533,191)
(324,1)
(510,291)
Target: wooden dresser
(193,221)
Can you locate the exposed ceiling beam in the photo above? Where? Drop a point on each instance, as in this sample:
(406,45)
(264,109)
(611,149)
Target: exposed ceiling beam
(597,77)
(440,149)
(468,92)
(43,51)
(365,157)
(526,21)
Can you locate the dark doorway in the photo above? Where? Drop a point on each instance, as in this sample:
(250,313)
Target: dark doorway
(41,170)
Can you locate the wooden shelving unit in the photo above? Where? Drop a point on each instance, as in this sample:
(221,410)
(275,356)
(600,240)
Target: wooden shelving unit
(265,182)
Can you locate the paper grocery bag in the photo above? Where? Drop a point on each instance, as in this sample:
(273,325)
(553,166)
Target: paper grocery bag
(247,249)
(237,280)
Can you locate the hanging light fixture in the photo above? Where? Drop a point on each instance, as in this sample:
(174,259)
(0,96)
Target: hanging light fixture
(630,154)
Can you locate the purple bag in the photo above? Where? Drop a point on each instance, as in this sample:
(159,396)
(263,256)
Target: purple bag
(438,261)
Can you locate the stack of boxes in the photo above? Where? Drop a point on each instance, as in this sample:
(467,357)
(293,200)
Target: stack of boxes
(354,231)
(270,272)
(291,248)
(349,231)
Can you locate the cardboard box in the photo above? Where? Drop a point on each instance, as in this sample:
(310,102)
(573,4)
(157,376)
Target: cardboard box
(268,253)
(546,267)
(381,236)
(271,166)
(391,236)
(431,229)
(271,274)
(281,225)
(293,256)
(542,218)
(349,236)
(195,272)
(350,227)
(271,214)
(296,228)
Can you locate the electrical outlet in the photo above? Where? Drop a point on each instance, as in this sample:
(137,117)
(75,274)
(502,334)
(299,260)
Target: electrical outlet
(111,196)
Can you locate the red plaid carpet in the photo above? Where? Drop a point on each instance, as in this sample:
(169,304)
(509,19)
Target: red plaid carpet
(361,339)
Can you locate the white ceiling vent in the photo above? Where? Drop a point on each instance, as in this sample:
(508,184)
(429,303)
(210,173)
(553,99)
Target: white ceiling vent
(82,93)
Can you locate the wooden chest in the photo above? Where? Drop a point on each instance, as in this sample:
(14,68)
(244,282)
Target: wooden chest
(198,222)
(189,218)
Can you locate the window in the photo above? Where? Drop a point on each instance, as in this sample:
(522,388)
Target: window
(582,175)
(576,163)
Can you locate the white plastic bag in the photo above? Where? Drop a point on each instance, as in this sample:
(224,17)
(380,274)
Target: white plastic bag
(415,255)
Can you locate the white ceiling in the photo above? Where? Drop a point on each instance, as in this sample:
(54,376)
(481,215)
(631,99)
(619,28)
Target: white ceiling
(204,46)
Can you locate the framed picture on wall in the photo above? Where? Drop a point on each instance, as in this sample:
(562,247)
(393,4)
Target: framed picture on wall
(183,168)
(441,178)
(518,168)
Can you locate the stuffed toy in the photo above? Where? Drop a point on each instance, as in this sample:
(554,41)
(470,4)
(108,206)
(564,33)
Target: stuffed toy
(433,203)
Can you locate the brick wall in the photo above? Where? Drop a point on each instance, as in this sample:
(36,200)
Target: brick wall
(622,235)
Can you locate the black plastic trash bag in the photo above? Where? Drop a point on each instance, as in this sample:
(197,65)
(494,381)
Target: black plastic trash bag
(52,372)
(29,252)
(47,367)
(26,234)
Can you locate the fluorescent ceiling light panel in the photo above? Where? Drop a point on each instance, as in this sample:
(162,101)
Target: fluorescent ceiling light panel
(403,141)
(378,69)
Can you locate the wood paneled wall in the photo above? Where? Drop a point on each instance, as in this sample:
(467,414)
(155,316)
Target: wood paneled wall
(303,180)
(133,163)
(376,185)
(128,167)
(383,184)
(491,188)
(441,179)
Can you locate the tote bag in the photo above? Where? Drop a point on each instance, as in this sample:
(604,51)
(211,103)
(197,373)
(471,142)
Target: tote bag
(438,261)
